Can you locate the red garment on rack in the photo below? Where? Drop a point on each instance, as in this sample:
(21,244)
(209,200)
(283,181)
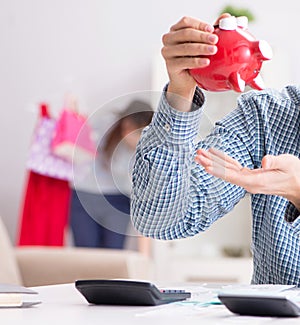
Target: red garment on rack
(45,211)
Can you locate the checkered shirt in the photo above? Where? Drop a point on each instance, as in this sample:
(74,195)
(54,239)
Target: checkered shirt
(173,197)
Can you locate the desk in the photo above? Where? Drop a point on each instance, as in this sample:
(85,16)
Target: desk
(62,304)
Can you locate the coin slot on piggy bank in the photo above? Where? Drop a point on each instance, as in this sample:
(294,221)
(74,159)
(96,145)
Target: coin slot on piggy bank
(238,61)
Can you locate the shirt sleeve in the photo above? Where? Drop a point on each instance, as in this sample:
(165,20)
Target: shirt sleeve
(172,196)
(291,213)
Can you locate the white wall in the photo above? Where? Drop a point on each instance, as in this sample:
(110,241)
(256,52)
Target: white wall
(99,49)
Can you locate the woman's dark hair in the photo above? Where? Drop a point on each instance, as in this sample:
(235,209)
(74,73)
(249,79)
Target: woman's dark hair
(138,112)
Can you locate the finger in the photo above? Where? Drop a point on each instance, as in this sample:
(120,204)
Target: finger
(219,158)
(223,156)
(185,63)
(189,35)
(218,171)
(203,159)
(188,50)
(190,22)
(267,162)
(228,174)
(280,162)
(216,166)
(207,159)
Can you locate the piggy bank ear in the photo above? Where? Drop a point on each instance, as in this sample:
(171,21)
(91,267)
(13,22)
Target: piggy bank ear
(224,15)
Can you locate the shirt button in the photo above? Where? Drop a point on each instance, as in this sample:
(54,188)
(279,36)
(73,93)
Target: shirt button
(167,127)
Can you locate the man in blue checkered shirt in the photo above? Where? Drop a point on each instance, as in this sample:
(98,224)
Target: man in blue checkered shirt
(182,185)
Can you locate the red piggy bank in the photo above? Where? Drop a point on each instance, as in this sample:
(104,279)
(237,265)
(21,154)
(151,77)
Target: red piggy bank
(238,60)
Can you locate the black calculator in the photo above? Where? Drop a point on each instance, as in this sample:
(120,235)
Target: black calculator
(127,292)
(276,306)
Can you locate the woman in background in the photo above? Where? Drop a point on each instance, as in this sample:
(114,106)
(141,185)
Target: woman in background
(100,201)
